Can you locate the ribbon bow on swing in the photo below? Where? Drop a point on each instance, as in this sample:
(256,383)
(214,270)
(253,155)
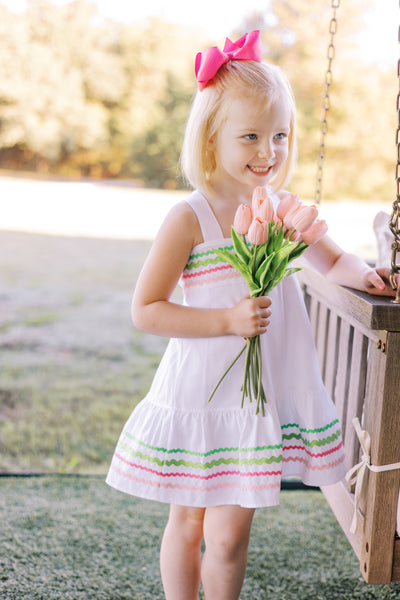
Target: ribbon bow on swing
(207,64)
(356,475)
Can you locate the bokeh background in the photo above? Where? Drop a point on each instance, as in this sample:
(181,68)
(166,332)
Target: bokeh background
(102,88)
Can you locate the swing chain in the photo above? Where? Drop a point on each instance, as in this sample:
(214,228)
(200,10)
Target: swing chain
(326,101)
(394,223)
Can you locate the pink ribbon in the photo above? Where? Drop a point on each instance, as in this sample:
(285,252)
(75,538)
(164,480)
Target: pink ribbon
(207,64)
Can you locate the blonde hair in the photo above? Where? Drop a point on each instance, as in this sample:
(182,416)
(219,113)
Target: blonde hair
(235,79)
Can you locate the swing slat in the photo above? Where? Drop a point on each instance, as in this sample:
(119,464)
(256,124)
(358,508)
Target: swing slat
(332,353)
(359,357)
(358,374)
(343,370)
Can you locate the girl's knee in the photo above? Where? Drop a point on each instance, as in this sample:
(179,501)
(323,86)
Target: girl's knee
(187,522)
(227,533)
(226,546)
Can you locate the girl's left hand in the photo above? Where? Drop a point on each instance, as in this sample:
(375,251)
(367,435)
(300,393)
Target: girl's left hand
(378,284)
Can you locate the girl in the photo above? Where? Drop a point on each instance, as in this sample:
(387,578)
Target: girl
(214,463)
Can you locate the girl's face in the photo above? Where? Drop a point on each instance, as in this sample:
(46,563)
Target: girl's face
(251,145)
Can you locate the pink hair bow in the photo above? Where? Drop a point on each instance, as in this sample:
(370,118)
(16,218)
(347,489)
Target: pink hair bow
(207,64)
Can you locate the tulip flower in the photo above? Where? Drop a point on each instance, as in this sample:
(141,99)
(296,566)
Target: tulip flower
(289,202)
(295,236)
(262,204)
(288,218)
(303,218)
(243,218)
(315,233)
(258,232)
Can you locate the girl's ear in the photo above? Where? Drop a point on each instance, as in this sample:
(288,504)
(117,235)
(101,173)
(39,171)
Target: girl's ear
(211,144)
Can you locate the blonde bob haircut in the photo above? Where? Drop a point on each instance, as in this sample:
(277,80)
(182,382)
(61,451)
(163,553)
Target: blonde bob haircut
(236,79)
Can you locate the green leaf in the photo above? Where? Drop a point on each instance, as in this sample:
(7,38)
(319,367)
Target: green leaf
(278,241)
(233,260)
(260,255)
(241,248)
(264,270)
(291,271)
(297,250)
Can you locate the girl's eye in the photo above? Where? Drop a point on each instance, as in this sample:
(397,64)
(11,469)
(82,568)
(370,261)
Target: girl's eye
(251,136)
(281,136)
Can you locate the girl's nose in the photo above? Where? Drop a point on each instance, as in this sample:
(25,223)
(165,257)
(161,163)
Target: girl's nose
(266,152)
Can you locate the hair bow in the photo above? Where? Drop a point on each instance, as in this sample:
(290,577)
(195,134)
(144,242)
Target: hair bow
(207,64)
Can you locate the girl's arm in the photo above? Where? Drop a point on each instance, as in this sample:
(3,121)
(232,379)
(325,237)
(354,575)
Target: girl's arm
(348,269)
(152,309)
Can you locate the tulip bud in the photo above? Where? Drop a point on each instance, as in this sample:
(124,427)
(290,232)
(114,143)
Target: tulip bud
(288,218)
(243,218)
(288,202)
(258,232)
(315,233)
(304,218)
(262,204)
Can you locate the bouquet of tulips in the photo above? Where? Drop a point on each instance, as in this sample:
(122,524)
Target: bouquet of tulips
(273,241)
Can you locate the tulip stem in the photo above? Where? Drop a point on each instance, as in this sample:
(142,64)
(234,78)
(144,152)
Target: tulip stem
(253,262)
(228,369)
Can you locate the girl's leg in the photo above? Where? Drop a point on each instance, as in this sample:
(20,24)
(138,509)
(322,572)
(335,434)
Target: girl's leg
(180,557)
(226,535)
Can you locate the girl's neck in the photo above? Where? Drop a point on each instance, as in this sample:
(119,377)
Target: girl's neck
(224,208)
(221,194)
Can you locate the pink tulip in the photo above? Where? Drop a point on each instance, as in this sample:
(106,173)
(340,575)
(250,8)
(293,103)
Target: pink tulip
(288,218)
(258,232)
(303,219)
(288,202)
(295,236)
(315,233)
(262,204)
(243,218)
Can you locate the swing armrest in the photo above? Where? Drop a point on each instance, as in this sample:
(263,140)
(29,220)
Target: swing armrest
(372,312)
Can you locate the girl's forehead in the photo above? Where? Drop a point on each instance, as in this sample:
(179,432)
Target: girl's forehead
(249,108)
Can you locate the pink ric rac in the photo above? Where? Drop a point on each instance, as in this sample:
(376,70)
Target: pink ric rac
(258,232)
(262,204)
(303,219)
(288,202)
(315,233)
(243,218)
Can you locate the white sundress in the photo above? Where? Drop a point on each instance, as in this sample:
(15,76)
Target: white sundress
(177,447)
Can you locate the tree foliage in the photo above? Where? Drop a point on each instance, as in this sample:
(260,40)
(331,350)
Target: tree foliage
(84,95)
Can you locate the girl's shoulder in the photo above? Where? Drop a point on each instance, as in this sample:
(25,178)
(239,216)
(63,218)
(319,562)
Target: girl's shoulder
(182,220)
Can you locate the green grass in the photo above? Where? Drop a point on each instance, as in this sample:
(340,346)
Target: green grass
(77,539)
(72,365)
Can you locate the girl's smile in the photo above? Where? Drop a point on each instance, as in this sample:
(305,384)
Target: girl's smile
(261,171)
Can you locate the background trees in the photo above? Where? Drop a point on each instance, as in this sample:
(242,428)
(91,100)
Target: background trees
(83,95)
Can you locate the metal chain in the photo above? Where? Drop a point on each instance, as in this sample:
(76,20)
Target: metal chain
(326,101)
(394,223)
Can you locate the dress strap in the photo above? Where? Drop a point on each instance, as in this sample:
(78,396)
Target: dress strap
(209,225)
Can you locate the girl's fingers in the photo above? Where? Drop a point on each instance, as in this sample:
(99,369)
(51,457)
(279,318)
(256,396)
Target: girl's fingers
(374,280)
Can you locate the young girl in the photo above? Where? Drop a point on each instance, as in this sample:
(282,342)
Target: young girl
(215,462)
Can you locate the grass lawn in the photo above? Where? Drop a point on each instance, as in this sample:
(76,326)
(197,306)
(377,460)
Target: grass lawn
(75,538)
(72,365)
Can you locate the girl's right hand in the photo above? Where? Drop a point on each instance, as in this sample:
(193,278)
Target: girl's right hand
(250,316)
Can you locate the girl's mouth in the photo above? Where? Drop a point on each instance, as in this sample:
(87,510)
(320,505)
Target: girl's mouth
(262,171)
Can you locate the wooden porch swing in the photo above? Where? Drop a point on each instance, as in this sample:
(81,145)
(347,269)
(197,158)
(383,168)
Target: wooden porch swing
(358,344)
